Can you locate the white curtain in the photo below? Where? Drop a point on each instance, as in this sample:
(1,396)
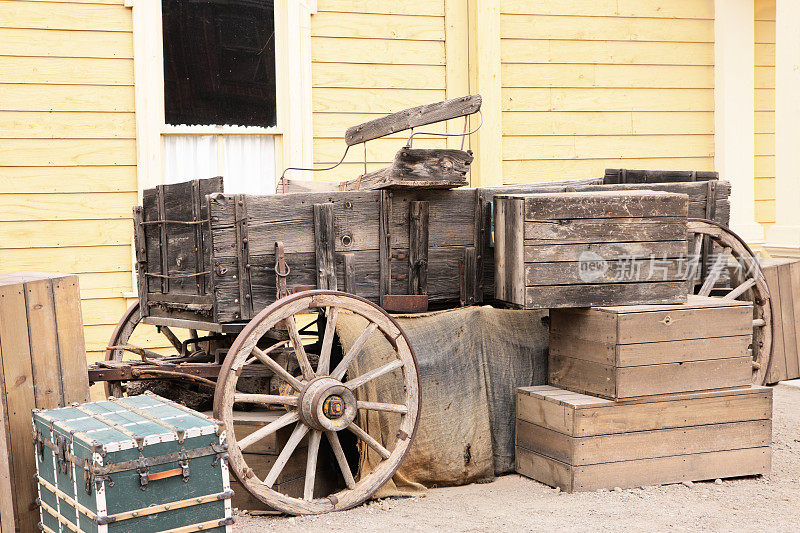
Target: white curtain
(246,162)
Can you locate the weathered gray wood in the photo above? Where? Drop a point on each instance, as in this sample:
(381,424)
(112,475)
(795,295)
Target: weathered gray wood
(623,175)
(605,204)
(574,272)
(412,118)
(418,168)
(324,246)
(348,261)
(162,244)
(243,258)
(418,247)
(385,243)
(468,277)
(537,253)
(585,295)
(604,230)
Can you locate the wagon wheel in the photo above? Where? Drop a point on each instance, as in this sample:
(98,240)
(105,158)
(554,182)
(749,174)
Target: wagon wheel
(121,348)
(319,401)
(748,285)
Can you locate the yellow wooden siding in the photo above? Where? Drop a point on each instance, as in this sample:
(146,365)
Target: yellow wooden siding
(370,59)
(765,110)
(606,83)
(68,149)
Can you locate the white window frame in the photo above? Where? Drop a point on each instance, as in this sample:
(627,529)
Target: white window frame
(293,133)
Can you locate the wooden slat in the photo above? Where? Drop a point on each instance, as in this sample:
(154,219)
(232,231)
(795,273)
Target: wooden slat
(46,234)
(604,230)
(654,471)
(625,76)
(572,272)
(558,296)
(65,43)
(85,206)
(371,100)
(419,213)
(361,76)
(609,204)
(596,147)
(71,346)
(675,9)
(606,52)
(605,28)
(19,399)
(325,246)
(381,51)
(597,99)
(382,26)
(43,97)
(643,444)
(653,326)
(630,250)
(63,70)
(66,125)
(389,7)
(66,152)
(580,415)
(22,180)
(82,259)
(65,16)
(789,293)
(47,386)
(523,123)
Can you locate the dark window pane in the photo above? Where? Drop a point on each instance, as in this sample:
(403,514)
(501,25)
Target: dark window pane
(219,62)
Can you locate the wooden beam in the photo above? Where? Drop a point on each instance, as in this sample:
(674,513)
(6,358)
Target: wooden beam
(412,118)
(325,246)
(418,248)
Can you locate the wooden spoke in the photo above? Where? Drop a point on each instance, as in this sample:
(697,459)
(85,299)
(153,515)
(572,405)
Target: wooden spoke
(351,354)
(371,442)
(741,289)
(372,374)
(324,365)
(311,464)
(347,474)
(269,429)
(268,351)
(714,273)
(299,349)
(378,406)
(278,369)
(171,337)
(265,399)
(299,432)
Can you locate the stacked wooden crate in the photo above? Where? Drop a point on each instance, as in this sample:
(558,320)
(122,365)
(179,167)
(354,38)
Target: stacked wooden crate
(646,394)
(645,387)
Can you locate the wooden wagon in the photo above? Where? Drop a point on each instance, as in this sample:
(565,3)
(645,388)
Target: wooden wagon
(248,290)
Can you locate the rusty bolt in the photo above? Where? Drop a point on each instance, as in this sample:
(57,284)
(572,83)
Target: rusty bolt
(244,240)
(247,296)
(241,202)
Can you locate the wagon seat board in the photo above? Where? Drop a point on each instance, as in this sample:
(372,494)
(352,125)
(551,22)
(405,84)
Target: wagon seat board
(578,249)
(140,463)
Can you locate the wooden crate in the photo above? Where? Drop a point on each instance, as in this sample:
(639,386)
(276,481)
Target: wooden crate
(629,351)
(262,455)
(580,249)
(42,365)
(578,442)
(783,279)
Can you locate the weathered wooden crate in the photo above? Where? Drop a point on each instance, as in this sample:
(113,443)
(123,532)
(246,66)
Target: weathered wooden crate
(579,443)
(139,463)
(262,455)
(641,350)
(783,279)
(580,249)
(42,365)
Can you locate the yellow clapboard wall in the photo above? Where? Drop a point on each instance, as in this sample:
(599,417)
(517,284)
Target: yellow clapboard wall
(588,85)
(765,110)
(68,149)
(370,59)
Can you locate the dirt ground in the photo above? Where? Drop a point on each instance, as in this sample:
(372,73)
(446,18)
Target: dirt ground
(515,503)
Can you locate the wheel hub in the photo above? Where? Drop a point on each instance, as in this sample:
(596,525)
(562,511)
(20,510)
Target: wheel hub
(327,405)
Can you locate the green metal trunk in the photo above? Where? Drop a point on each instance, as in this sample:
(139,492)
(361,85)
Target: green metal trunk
(135,464)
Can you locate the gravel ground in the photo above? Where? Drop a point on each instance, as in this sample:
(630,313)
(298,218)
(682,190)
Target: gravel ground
(515,503)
